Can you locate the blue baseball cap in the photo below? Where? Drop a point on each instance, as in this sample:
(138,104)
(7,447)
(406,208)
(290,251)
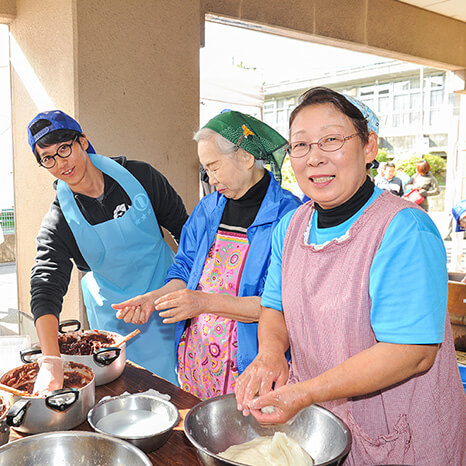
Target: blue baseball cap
(58,120)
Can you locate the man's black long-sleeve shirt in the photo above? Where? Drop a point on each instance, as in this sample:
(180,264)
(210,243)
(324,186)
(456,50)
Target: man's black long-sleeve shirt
(57,247)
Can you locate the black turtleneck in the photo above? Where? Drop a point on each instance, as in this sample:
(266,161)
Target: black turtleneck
(242,212)
(332,217)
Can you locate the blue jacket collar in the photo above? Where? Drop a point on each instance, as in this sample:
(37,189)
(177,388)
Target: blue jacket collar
(268,212)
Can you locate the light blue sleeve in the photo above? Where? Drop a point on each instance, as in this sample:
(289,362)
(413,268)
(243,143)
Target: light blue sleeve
(272,295)
(408,282)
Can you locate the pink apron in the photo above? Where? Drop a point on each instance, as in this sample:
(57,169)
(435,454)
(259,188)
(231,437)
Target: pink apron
(419,422)
(208,347)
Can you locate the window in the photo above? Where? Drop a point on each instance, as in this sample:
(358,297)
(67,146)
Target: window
(400,102)
(415,100)
(436,98)
(383,104)
(436,81)
(401,86)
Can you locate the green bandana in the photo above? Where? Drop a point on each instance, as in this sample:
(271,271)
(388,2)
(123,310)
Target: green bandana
(252,135)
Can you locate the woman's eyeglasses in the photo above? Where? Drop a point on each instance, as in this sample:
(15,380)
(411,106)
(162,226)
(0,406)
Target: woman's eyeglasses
(329,143)
(63,151)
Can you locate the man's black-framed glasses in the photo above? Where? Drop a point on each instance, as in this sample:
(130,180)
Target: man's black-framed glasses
(329,143)
(63,151)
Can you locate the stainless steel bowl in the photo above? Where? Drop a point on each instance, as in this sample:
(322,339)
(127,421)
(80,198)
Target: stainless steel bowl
(71,448)
(120,424)
(214,425)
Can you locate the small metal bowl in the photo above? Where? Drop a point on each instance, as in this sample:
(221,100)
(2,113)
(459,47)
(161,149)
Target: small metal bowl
(71,448)
(214,425)
(113,417)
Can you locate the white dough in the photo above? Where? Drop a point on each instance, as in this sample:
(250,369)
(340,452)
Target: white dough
(279,450)
(268,409)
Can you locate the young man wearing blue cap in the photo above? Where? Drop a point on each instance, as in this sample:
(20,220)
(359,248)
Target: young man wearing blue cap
(106,218)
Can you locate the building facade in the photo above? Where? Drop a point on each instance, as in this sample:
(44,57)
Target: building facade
(416,105)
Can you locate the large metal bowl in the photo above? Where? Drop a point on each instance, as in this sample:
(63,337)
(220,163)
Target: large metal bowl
(158,408)
(214,425)
(71,448)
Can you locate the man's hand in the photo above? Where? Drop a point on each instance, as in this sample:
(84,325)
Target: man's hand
(50,375)
(136,310)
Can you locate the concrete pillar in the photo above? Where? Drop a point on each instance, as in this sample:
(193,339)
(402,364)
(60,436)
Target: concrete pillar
(126,71)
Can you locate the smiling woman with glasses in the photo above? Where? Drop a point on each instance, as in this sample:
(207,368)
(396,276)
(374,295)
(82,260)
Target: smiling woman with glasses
(357,290)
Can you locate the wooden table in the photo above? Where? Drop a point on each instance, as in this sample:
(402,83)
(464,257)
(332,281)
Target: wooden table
(178,450)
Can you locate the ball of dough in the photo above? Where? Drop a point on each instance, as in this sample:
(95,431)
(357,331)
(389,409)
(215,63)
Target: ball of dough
(268,409)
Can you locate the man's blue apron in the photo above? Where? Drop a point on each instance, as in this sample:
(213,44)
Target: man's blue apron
(127,257)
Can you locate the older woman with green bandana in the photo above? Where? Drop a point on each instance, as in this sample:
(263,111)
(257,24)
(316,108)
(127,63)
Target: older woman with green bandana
(213,289)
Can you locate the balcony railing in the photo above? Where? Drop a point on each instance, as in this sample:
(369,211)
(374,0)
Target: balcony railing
(7,221)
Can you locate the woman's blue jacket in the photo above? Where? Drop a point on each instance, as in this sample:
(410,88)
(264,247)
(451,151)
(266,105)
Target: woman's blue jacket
(197,238)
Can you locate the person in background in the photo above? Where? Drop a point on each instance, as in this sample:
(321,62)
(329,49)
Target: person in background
(459,214)
(357,290)
(425,182)
(390,182)
(403,176)
(106,218)
(213,289)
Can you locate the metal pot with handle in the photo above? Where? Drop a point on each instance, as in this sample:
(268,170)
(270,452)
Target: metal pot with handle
(60,410)
(107,362)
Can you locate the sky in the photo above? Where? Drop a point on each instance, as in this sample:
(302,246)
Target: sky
(277,58)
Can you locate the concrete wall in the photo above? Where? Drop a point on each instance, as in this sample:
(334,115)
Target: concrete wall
(138,83)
